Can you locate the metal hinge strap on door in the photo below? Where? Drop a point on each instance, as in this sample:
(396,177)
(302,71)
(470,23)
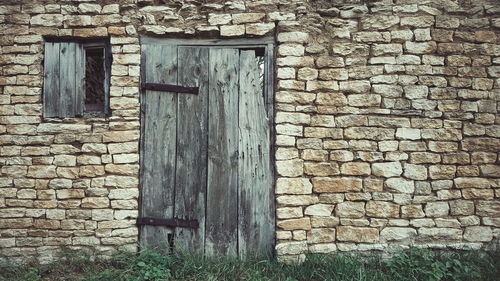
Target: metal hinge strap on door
(170,88)
(167,222)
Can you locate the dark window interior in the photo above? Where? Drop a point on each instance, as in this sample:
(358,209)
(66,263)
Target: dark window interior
(94,79)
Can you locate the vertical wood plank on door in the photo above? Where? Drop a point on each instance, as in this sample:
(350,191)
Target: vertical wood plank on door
(159,147)
(192,130)
(67,79)
(256,222)
(51,87)
(221,217)
(79,97)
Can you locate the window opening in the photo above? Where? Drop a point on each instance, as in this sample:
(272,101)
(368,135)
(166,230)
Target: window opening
(76,78)
(94,80)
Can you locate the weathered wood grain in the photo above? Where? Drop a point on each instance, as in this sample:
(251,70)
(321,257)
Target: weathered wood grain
(67,79)
(192,133)
(159,147)
(255,225)
(51,80)
(221,221)
(79,92)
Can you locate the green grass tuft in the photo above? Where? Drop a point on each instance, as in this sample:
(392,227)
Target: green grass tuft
(411,265)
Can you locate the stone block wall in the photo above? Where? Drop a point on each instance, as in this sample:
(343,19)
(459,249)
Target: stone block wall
(387,125)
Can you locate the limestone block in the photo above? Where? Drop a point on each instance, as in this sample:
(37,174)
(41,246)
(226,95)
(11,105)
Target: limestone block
(293,186)
(416,91)
(419,21)
(382,209)
(355,168)
(89,8)
(126,169)
(323,248)
(322,169)
(297,200)
(439,234)
(124,193)
(88,159)
(290,168)
(373,185)
(91,32)
(424,157)
(314,155)
(445,21)
(319,132)
(292,117)
(291,248)
(478,234)
(302,61)
(307,73)
(473,193)
(121,181)
(487,221)
(412,211)
(358,86)
(378,22)
(415,172)
(472,182)
(291,50)
(490,170)
(350,49)
(480,144)
(364,100)
(449,194)
(488,208)
(47,20)
(102,215)
(298,37)
(322,210)
(259,28)
(39,171)
(70,193)
(295,224)
(219,19)
(285,73)
(354,11)
(324,184)
(111,9)
(437,209)
(321,235)
(130,204)
(350,210)
(335,99)
(389,169)
(397,234)
(357,234)
(95,202)
(247,17)
(289,212)
(442,171)
(370,37)
(420,48)
(91,171)
(388,91)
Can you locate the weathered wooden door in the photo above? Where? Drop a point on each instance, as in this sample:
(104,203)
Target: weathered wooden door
(206,173)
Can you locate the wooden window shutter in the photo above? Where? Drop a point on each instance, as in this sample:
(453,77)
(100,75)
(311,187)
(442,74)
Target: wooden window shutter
(63,88)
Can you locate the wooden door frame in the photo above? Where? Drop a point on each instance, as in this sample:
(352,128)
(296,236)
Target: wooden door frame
(268,44)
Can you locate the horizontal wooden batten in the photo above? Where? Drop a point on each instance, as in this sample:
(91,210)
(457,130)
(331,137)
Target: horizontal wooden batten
(170,88)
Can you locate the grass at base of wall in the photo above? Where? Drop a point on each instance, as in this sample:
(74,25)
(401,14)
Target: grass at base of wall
(411,265)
